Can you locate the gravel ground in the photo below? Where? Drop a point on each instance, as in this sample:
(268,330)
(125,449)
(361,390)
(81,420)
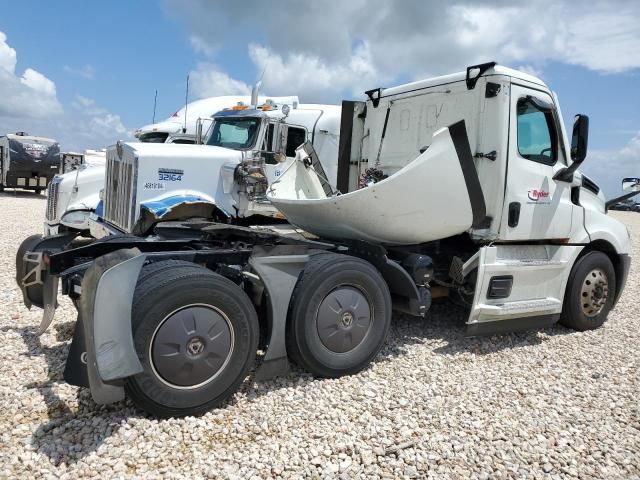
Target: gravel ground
(551,404)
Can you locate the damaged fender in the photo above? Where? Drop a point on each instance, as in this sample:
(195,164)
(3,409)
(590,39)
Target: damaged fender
(176,207)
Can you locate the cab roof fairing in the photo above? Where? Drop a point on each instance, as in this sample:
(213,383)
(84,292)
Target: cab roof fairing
(460,77)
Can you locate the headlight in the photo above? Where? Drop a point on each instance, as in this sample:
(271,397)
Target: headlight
(75,218)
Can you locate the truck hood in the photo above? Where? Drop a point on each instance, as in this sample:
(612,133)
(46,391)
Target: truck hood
(174,153)
(78,190)
(168,126)
(163,177)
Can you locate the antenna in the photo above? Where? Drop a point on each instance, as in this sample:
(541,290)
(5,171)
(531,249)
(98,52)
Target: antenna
(155,102)
(186,103)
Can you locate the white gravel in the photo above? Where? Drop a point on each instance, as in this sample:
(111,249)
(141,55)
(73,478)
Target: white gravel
(551,404)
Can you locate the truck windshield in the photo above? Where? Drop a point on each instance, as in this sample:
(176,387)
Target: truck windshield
(236,133)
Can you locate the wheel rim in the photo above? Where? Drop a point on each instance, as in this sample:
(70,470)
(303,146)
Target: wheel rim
(594,292)
(343,319)
(191,346)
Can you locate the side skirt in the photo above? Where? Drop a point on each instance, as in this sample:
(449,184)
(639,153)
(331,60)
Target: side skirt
(512,325)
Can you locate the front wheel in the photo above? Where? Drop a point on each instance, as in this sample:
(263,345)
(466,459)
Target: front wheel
(196,334)
(590,292)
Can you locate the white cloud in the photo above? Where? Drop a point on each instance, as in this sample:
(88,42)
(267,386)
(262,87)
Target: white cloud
(86,71)
(7,55)
(209,81)
(84,125)
(531,70)
(38,82)
(319,79)
(31,95)
(29,103)
(200,45)
(378,41)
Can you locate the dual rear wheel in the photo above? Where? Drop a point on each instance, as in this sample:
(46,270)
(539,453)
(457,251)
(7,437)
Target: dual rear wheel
(196,332)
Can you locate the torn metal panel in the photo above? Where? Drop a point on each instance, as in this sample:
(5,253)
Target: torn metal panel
(435,196)
(177,207)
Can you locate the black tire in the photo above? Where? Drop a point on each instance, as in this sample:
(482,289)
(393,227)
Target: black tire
(38,191)
(590,292)
(165,291)
(330,344)
(34,292)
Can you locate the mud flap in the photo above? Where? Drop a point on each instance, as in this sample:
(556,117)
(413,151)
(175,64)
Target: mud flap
(75,370)
(105,309)
(279,274)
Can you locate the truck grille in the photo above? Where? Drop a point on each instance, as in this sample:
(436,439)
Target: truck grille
(52,200)
(119,192)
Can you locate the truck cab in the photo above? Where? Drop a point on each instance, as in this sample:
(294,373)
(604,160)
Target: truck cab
(225,178)
(184,120)
(514,196)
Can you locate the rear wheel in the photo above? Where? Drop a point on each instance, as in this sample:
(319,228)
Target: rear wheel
(339,317)
(196,335)
(590,292)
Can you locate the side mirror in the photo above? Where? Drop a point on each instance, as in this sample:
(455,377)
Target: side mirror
(280,133)
(631,184)
(579,138)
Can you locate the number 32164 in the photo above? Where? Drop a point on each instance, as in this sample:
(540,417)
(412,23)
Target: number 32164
(170,177)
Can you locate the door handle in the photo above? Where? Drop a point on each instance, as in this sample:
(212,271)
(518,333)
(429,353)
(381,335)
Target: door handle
(514,214)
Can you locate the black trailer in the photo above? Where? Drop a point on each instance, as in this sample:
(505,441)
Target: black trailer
(28,162)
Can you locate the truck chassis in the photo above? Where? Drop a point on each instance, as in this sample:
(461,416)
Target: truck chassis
(269,274)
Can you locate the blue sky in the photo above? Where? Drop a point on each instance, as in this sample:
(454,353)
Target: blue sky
(95,65)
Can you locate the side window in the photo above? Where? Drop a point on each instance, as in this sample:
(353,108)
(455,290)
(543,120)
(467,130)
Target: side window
(295,138)
(269,139)
(536,135)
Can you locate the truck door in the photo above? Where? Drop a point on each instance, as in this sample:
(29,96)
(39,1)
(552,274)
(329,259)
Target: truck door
(284,139)
(536,206)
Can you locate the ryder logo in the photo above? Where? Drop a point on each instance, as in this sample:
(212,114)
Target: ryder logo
(539,196)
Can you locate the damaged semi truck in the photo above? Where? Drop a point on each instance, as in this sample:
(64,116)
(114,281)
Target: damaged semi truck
(244,150)
(466,181)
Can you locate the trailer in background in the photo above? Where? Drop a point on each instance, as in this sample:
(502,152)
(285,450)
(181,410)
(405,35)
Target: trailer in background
(27,161)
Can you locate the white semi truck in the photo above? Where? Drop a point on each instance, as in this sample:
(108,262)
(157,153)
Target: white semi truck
(225,179)
(75,194)
(185,120)
(465,184)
